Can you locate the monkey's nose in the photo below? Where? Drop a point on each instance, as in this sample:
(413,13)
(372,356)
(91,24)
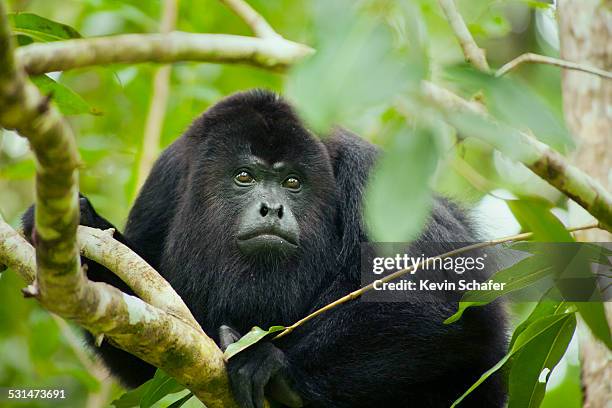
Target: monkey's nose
(273,209)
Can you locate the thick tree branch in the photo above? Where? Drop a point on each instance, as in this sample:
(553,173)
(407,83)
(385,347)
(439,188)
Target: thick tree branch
(473,54)
(252,18)
(542,59)
(146,282)
(271,53)
(147,332)
(24,109)
(541,159)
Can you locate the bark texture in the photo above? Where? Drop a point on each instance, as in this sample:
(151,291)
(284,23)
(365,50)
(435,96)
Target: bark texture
(585,28)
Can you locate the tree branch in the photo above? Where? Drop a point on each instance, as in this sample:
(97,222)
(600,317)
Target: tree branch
(17,253)
(398,274)
(24,109)
(259,26)
(149,333)
(473,54)
(270,53)
(541,159)
(146,282)
(542,59)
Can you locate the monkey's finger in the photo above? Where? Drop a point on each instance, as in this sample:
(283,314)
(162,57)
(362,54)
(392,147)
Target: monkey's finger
(227,336)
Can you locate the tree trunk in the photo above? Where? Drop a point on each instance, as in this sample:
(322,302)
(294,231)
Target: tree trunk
(585,29)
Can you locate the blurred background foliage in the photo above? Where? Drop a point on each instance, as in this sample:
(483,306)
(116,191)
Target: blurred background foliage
(366,57)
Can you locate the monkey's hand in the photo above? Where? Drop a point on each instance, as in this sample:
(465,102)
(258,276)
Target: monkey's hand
(257,371)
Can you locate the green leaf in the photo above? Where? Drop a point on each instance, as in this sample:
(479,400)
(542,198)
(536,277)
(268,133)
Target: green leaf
(356,67)
(515,104)
(541,327)
(482,379)
(180,402)
(594,315)
(526,385)
(68,101)
(518,276)
(547,306)
(252,337)
(39,28)
(535,216)
(398,196)
(497,134)
(160,386)
(577,281)
(131,398)
(150,392)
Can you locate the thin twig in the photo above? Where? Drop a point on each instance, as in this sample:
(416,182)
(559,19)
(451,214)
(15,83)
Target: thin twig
(252,18)
(473,54)
(542,59)
(357,293)
(159,100)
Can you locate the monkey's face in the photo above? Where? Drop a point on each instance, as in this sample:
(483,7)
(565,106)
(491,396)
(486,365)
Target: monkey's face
(270,194)
(266,184)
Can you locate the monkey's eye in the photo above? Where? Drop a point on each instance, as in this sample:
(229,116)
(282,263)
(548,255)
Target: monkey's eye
(244,178)
(292,183)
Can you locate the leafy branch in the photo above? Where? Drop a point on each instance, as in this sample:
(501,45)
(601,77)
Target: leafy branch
(547,163)
(541,159)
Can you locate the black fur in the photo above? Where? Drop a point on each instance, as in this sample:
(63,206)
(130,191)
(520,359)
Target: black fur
(359,354)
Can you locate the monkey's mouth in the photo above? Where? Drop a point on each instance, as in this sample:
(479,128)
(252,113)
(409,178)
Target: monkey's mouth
(267,239)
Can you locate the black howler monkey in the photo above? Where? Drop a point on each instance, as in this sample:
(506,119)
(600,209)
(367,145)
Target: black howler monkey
(254,221)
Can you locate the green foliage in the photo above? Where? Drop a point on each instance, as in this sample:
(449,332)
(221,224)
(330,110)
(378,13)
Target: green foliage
(547,306)
(555,330)
(513,103)
(594,314)
(68,101)
(398,197)
(538,4)
(370,54)
(569,265)
(254,336)
(146,395)
(518,276)
(532,365)
(535,216)
(356,67)
(180,402)
(39,29)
